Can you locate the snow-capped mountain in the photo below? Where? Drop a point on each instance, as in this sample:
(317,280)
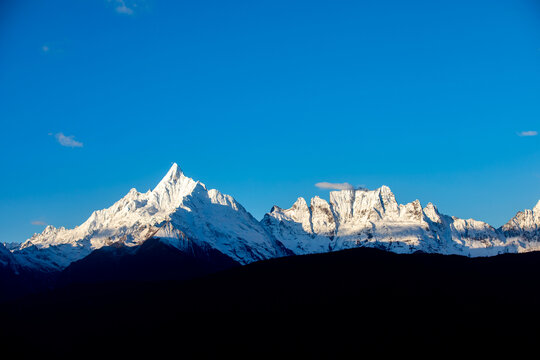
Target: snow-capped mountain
(355,218)
(179,210)
(525,226)
(182,213)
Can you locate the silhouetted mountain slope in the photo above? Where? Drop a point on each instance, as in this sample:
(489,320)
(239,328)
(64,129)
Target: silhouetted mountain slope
(15,283)
(350,300)
(151,261)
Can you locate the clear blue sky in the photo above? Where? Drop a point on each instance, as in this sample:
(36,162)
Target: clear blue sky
(263,99)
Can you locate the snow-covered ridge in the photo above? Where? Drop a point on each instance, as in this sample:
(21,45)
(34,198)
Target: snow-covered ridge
(356,218)
(202,215)
(183,213)
(525,225)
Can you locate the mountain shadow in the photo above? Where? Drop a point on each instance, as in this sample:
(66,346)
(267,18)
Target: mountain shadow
(151,261)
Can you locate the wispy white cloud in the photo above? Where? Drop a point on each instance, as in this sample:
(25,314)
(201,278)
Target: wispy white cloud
(38,223)
(68,141)
(122,8)
(334,186)
(55,47)
(339,186)
(128,7)
(125,7)
(528,133)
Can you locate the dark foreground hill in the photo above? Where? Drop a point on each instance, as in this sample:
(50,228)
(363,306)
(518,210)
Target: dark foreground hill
(323,305)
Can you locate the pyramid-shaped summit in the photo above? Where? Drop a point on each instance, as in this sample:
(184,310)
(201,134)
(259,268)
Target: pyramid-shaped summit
(208,217)
(173,174)
(217,223)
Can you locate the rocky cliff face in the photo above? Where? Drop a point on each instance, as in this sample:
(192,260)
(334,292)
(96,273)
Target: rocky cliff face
(356,218)
(525,226)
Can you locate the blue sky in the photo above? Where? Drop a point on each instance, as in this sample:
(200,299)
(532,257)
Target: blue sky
(264,99)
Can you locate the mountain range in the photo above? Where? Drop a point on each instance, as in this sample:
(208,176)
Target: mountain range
(190,230)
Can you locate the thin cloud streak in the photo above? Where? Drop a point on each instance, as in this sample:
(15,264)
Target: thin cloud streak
(38,223)
(122,8)
(334,186)
(528,133)
(68,141)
